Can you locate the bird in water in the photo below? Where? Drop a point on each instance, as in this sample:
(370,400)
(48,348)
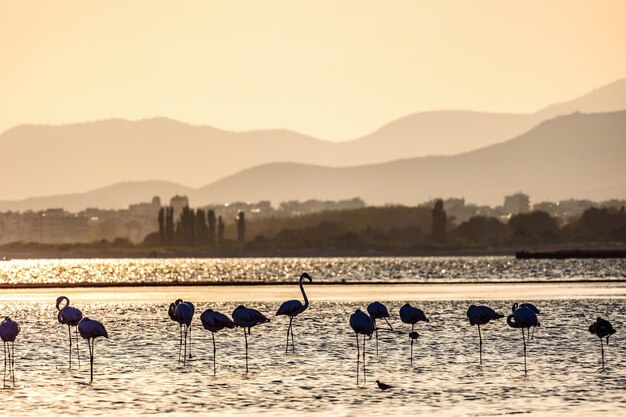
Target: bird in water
(69,316)
(523,318)
(412,315)
(214,321)
(292,308)
(479,316)
(90,330)
(383,386)
(247,318)
(533,308)
(378,310)
(603,329)
(9,330)
(182,313)
(363,324)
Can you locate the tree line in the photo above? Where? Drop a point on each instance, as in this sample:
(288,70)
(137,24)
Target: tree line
(195,228)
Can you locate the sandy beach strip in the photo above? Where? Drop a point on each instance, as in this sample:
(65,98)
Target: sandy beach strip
(322,292)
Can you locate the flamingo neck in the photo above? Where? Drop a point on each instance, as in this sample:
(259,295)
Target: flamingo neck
(306,300)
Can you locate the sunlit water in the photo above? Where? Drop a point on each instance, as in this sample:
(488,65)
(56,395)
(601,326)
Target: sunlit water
(137,373)
(427,269)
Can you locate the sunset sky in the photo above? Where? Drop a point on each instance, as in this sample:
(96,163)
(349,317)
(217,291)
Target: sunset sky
(334,70)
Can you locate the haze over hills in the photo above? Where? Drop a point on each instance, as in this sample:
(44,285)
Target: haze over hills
(49,160)
(577,156)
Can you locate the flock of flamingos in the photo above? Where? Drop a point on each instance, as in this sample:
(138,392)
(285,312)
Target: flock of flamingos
(524,316)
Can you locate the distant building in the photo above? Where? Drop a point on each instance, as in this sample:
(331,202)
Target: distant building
(517,203)
(178,202)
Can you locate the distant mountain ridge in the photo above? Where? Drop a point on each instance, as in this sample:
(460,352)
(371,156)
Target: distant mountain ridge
(577,156)
(50,160)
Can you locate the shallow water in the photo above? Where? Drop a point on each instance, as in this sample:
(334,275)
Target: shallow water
(137,370)
(420,269)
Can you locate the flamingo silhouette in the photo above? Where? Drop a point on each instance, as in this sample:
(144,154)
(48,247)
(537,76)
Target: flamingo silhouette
(523,318)
(214,321)
(247,318)
(363,324)
(412,315)
(69,316)
(9,330)
(378,310)
(182,313)
(603,329)
(292,308)
(533,308)
(90,330)
(479,316)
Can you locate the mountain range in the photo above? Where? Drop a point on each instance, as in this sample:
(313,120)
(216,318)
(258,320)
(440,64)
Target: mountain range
(550,157)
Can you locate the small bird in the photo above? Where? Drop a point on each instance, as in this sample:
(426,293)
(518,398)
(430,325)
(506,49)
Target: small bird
(90,330)
(69,316)
(247,318)
(523,318)
(292,308)
(603,329)
(215,321)
(378,310)
(412,315)
(9,330)
(383,386)
(479,316)
(363,324)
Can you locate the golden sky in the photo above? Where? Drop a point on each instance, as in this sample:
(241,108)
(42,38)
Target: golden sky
(332,69)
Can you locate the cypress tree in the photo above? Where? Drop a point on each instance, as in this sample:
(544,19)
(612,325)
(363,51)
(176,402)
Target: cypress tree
(241,227)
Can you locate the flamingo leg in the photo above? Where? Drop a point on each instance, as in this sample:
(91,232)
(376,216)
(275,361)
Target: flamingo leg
(364,374)
(189,328)
(180,341)
(412,330)
(4,382)
(524,341)
(293,343)
(376,337)
(480,338)
(214,352)
(358,358)
(602,350)
(246,339)
(532,335)
(91,353)
(288,329)
(13,361)
(69,333)
(185,348)
(77,346)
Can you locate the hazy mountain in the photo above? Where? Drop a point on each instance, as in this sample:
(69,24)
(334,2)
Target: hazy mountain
(115,196)
(48,160)
(579,156)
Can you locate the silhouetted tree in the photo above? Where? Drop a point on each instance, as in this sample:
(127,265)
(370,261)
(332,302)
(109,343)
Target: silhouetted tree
(188,224)
(212,223)
(535,227)
(220,231)
(483,230)
(241,227)
(202,235)
(438,229)
(162,226)
(169,225)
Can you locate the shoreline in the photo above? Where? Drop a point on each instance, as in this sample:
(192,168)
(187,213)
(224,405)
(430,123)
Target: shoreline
(400,292)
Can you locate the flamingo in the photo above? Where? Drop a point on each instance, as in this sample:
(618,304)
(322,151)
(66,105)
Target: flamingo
(412,315)
(215,321)
(70,316)
(603,329)
(182,313)
(533,308)
(378,310)
(9,330)
(247,318)
(90,330)
(523,318)
(481,315)
(292,308)
(363,324)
